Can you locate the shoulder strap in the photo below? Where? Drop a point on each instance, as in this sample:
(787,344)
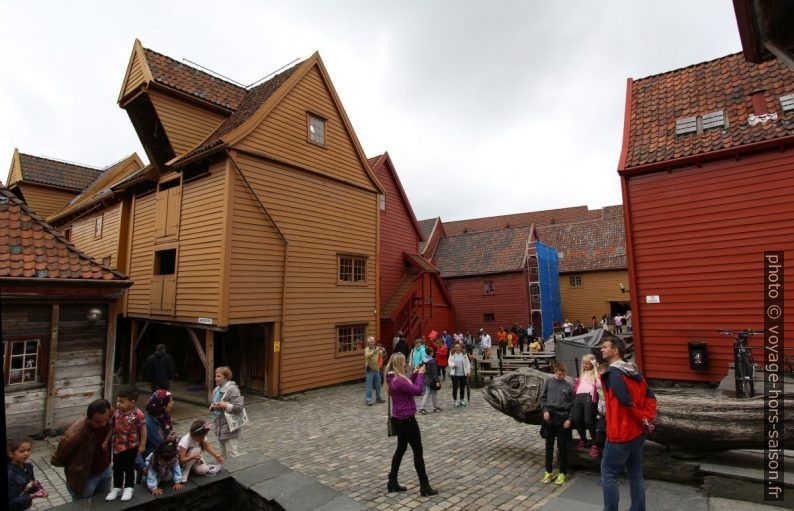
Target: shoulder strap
(388,396)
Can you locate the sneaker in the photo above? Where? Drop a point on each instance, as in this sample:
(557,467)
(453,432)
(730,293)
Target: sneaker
(464,403)
(369,403)
(437,409)
(423,411)
(580,445)
(561,479)
(594,452)
(126,494)
(380,401)
(113,494)
(548,477)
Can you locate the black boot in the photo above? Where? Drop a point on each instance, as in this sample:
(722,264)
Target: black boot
(394,485)
(425,490)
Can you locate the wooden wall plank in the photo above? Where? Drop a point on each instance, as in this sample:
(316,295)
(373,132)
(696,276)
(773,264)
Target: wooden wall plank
(43,200)
(186,123)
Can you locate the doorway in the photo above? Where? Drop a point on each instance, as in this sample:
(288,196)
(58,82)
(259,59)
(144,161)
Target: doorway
(249,354)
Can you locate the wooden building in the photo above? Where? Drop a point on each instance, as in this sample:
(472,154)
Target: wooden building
(59,323)
(592,264)
(46,185)
(256,241)
(432,233)
(488,275)
(413,298)
(707,171)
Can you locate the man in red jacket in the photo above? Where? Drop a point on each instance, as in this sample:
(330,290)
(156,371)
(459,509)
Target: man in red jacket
(630,411)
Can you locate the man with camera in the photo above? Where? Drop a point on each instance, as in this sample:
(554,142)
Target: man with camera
(372,354)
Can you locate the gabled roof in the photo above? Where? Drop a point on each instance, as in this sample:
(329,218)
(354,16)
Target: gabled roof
(55,173)
(384,161)
(101,187)
(427,227)
(588,245)
(249,105)
(32,249)
(482,253)
(725,84)
(492,223)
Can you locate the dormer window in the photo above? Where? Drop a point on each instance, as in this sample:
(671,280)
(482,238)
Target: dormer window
(316,129)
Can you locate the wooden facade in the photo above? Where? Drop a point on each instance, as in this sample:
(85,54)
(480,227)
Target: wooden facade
(59,324)
(243,237)
(413,298)
(701,213)
(585,294)
(505,303)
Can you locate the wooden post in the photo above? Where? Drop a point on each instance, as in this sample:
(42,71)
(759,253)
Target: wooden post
(274,359)
(49,405)
(133,343)
(110,350)
(209,366)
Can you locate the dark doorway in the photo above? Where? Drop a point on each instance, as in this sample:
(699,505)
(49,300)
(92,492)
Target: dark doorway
(247,349)
(618,308)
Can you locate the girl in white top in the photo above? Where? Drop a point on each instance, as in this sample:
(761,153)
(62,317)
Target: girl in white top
(190,447)
(584,403)
(459,370)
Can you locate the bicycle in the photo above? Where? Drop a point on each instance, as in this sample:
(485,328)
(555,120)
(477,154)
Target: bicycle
(744,366)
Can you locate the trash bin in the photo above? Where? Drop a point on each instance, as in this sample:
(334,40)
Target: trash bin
(698,356)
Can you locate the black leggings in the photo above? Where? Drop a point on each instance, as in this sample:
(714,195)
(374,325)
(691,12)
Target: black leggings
(583,415)
(559,434)
(408,433)
(458,382)
(443,371)
(124,468)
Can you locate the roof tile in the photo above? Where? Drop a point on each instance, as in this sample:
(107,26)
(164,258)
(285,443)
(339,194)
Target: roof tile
(492,223)
(481,253)
(70,176)
(722,84)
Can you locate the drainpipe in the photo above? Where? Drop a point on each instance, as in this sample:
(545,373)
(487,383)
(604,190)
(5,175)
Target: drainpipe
(286,258)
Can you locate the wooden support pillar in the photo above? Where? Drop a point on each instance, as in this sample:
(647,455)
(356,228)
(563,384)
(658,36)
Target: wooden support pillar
(49,405)
(133,339)
(274,360)
(110,350)
(209,366)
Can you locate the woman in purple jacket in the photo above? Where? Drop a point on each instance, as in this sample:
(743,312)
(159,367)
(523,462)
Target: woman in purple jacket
(402,390)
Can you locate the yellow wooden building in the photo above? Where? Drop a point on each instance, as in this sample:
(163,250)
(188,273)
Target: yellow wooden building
(253,233)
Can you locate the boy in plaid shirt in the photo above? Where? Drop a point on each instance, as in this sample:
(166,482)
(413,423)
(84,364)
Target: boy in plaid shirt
(129,439)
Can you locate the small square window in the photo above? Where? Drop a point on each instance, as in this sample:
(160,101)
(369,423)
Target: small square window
(106,261)
(576,280)
(316,129)
(488,287)
(165,262)
(382,201)
(67,234)
(98,227)
(489,317)
(352,269)
(350,338)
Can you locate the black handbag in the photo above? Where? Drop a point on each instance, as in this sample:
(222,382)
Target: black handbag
(389,423)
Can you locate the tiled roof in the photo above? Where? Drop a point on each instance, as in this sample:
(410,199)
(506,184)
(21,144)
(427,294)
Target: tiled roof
(421,263)
(482,253)
(70,176)
(31,248)
(723,84)
(427,227)
(253,99)
(492,223)
(100,187)
(197,83)
(587,245)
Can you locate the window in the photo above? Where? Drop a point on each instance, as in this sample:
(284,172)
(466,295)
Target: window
(560,255)
(106,261)
(67,234)
(316,129)
(489,317)
(165,262)
(168,208)
(23,362)
(163,288)
(382,201)
(576,280)
(98,227)
(352,269)
(488,287)
(350,338)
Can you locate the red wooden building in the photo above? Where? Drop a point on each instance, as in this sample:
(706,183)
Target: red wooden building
(412,295)
(707,171)
(488,277)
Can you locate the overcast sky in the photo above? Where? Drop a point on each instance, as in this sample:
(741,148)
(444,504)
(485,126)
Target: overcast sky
(486,108)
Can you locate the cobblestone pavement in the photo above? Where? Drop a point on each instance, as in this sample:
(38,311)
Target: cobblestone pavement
(477,458)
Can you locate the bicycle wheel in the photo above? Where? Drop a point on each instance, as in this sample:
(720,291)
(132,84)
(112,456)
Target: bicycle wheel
(746,373)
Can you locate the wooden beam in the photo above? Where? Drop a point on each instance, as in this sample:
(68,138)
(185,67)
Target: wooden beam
(197,345)
(209,353)
(49,405)
(110,350)
(134,344)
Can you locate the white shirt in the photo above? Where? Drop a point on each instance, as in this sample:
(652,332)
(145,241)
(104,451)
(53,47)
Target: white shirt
(485,339)
(187,443)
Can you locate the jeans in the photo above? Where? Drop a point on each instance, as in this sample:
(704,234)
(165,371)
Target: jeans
(98,484)
(372,377)
(432,393)
(616,455)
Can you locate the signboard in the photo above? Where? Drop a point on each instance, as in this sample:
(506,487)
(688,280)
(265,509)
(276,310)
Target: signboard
(276,346)
(652,299)
(205,321)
